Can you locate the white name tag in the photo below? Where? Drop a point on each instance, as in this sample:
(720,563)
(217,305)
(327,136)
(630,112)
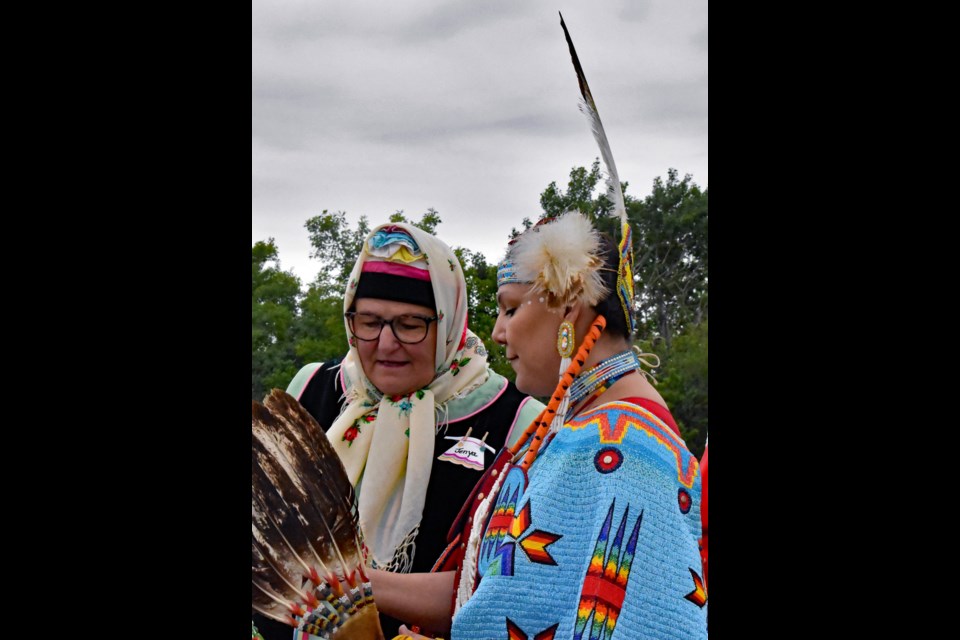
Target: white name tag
(467,452)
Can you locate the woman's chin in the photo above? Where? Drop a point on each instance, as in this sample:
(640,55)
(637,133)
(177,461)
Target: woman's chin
(533,387)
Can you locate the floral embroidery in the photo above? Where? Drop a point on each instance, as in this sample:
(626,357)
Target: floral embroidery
(353,283)
(351,434)
(420,394)
(475,342)
(402,402)
(456,365)
(450,262)
(439,314)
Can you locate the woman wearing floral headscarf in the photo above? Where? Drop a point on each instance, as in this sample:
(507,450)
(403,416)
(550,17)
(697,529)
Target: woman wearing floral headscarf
(399,407)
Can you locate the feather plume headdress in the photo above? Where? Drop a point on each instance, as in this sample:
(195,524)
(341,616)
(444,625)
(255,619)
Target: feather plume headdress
(614,190)
(308,552)
(561,258)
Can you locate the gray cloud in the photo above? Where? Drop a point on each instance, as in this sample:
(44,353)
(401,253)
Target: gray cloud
(467,106)
(449,19)
(699,40)
(635,10)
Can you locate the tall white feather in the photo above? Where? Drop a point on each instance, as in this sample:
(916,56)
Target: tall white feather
(589,108)
(614,192)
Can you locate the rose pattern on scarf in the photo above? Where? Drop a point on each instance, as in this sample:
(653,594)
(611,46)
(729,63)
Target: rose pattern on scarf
(351,434)
(457,364)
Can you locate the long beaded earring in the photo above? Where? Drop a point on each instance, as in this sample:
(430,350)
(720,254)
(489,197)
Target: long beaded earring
(565,343)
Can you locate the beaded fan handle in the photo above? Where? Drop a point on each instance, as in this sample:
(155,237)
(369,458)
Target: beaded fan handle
(539,427)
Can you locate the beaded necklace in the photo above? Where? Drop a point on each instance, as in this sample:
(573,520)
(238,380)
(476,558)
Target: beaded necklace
(602,377)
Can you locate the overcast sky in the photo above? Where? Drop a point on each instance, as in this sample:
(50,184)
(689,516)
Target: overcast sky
(467,106)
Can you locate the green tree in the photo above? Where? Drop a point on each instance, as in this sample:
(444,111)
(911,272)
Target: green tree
(337,247)
(428,221)
(578,196)
(683,384)
(275,301)
(320,334)
(481,279)
(670,255)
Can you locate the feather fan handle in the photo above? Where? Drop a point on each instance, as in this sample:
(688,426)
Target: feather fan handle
(307,549)
(589,108)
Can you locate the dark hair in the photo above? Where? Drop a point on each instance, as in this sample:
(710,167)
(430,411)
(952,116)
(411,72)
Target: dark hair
(610,306)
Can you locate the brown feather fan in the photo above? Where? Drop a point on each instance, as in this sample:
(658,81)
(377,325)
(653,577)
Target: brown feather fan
(308,553)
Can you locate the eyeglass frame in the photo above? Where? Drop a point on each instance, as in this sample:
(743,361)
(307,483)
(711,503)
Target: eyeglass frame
(350,315)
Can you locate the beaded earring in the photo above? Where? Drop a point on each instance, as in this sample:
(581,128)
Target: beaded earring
(565,341)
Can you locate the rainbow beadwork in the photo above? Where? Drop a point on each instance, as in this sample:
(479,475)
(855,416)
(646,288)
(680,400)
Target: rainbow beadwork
(608,551)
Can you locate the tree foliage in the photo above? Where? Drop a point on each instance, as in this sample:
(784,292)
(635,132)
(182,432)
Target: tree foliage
(336,246)
(683,384)
(670,254)
(481,280)
(321,333)
(276,296)
(428,221)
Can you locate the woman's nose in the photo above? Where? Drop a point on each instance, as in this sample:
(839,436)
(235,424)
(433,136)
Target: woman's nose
(499,333)
(390,342)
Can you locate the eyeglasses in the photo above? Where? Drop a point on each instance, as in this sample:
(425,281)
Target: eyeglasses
(407,328)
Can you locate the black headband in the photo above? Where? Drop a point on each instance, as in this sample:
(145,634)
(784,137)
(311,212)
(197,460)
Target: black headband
(387,286)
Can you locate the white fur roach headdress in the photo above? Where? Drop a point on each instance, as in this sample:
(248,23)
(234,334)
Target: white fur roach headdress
(561,258)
